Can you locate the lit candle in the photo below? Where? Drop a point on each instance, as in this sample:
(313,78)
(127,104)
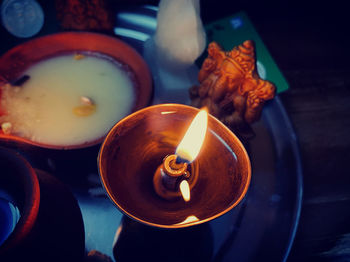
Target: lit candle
(173,178)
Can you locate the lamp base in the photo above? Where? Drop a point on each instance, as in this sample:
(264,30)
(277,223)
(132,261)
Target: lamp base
(138,242)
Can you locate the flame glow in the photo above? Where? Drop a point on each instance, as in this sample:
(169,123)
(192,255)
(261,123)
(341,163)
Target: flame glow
(190,145)
(185,190)
(189,219)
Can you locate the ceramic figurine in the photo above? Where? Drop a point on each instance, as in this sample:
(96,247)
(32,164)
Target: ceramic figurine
(230,87)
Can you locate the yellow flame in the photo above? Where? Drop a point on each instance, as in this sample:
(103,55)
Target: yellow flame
(191,143)
(185,190)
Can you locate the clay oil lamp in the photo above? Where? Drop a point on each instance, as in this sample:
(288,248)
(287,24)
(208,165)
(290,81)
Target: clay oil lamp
(171,166)
(66,90)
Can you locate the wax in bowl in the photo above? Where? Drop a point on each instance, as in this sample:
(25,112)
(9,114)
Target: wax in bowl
(50,107)
(73,91)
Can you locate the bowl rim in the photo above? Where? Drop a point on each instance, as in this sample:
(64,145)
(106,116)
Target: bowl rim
(111,46)
(103,178)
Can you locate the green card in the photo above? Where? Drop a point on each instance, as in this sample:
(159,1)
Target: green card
(234,30)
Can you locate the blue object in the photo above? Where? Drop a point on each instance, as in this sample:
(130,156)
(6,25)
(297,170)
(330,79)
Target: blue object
(9,216)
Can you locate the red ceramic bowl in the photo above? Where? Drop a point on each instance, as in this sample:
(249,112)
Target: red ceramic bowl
(17,60)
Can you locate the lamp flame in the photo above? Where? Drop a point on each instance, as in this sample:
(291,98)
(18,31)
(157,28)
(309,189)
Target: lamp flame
(185,190)
(191,143)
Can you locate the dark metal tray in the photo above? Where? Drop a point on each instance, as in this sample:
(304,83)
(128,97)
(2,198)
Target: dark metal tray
(261,228)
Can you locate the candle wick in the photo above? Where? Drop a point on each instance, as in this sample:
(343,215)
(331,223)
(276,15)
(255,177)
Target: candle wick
(180,160)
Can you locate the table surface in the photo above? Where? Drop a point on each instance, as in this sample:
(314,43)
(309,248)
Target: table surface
(310,44)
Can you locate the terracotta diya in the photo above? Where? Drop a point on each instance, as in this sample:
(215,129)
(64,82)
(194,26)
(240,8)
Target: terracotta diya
(77,56)
(155,172)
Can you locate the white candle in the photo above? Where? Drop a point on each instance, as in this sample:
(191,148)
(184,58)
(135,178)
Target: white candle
(69,100)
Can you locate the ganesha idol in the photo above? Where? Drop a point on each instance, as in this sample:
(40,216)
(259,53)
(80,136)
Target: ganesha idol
(230,87)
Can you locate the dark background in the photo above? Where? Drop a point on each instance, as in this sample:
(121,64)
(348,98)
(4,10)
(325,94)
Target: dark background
(309,41)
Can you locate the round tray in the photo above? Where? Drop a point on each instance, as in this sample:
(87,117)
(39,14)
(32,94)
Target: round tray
(261,228)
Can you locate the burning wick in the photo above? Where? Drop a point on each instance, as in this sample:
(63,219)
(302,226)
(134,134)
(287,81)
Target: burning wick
(173,178)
